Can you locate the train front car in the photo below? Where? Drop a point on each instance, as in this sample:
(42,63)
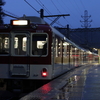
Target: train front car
(25,51)
(31,51)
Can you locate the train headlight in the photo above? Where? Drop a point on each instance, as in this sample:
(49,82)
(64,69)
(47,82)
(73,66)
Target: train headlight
(44,72)
(19,22)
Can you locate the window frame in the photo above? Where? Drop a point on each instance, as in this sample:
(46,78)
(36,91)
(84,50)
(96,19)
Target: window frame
(13,34)
(40,55)
(9,43)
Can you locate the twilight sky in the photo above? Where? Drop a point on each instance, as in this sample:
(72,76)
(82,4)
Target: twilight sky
(75,8)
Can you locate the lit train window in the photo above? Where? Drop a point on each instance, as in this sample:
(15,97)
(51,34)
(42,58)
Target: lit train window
(59,48)
(20,44)
(39,44)
(65,44)
(24,43)
(56,51)
(4,43)
(16,42)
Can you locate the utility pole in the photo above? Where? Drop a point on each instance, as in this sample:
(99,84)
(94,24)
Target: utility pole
(86,22)
(57,16)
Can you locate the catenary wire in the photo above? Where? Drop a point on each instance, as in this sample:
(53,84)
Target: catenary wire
(77,7)
(43,6)
(55,6)
(65,11)
(58,9)
(82,4)
(70,10)
(10,13)
(77,11)
(31,6)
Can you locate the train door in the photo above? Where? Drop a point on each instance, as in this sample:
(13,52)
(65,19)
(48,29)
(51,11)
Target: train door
(20,54)
(4,54)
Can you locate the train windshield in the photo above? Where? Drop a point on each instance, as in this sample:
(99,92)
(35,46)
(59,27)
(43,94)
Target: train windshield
(4,43)
(20,44)
(39,44)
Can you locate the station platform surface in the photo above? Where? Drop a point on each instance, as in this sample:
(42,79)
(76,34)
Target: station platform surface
(88,85)
(80,84)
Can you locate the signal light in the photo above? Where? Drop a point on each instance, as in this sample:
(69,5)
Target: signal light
(44,72)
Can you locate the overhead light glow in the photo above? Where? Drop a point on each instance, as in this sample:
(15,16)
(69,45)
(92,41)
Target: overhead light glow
(20,22)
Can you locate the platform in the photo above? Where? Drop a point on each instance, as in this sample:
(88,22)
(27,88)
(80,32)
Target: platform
(88,86)
(80,84)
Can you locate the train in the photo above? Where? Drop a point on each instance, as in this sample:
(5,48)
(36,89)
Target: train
(31,49)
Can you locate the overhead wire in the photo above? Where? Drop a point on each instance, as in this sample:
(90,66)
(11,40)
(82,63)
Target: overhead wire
(65,11)
(74,14)
(31,6)
(56,23)
(77,36)
(55,6)
(74,36)
(11,13)
(79,11)
(66,6)
(46,9)
(77,7)
(57,9)
(51,20)
(43,6)
(82,4)
(84,42)
(86,9)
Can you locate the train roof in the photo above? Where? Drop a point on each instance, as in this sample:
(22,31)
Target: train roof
(34,19)
(67,40)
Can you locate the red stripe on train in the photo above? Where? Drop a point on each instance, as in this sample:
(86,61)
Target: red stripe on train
(25,60)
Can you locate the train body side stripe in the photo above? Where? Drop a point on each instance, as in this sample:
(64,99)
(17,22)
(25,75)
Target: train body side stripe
(24,60)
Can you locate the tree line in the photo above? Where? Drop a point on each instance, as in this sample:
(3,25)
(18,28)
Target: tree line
(2,3)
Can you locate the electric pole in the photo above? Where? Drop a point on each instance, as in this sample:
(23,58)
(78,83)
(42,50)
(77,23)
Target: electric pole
(86,22)
(57,16)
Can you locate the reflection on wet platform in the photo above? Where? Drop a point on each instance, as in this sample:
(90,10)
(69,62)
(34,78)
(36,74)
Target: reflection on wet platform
(88,86)
(83,86)
(82,83)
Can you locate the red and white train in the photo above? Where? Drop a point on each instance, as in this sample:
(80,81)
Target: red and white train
(30,49)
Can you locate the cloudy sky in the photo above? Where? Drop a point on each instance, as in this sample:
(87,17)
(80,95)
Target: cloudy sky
(75,8)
